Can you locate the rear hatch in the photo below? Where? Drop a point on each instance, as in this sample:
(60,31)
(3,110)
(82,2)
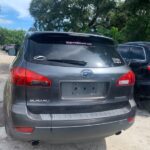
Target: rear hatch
(74,74)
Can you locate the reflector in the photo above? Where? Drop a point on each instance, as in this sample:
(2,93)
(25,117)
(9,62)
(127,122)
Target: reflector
(131,120)
(24,129)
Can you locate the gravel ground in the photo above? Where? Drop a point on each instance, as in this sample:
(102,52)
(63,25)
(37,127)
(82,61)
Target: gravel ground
(135,138)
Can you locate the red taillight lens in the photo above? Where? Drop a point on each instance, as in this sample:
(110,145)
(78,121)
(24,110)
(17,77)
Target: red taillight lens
(24,129)
(148,68)
(131,120)
(24,77)
(127,79)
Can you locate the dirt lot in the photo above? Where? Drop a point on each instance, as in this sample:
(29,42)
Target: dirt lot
(135,138)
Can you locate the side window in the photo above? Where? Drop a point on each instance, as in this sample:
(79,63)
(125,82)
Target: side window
(137,53)
(124,51)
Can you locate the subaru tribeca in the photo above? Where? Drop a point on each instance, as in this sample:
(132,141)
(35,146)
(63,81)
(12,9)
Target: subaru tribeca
(68,87)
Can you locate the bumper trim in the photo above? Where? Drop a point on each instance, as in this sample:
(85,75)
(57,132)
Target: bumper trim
(94,115)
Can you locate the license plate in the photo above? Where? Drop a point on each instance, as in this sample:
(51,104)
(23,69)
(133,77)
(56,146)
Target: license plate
(83,90)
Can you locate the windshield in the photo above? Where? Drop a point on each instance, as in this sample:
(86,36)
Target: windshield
(61,51)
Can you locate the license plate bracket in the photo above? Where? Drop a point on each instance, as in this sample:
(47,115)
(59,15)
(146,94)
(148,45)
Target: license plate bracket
(83,90)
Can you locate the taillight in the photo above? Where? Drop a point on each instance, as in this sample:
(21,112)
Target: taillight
(24,77)
(24,129)
(148,68)
(127,79)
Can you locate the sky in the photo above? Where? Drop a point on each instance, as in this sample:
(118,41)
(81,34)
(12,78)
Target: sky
(14,14)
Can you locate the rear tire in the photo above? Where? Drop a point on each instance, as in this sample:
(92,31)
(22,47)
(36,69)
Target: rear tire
(1,115)
(6,122)
(143,104)
(138,102)
(7,130)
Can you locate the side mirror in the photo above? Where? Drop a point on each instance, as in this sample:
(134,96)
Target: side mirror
(12,52)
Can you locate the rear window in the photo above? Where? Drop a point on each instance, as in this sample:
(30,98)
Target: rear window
(95,54)
(124,51)
(132,52)
(137,53)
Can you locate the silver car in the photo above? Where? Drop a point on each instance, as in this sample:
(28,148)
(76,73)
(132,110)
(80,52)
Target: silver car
(68,87)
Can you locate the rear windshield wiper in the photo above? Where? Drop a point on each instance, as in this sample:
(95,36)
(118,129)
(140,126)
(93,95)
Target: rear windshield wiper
(69,61)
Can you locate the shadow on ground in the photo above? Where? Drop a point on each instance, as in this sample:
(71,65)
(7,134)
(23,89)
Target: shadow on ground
(1,115)
(7,143)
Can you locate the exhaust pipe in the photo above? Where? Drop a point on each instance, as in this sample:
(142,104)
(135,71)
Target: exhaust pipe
(118,133)
(35,143)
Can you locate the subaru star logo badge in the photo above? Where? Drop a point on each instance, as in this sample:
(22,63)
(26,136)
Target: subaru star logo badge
(86,73)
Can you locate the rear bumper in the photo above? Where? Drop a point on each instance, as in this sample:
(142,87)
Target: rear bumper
(68,128)
(74,134)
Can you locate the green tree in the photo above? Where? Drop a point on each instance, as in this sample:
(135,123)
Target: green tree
(71,15)
(2,36)
(11,36)
(138,23)
(127,20)
(131,18)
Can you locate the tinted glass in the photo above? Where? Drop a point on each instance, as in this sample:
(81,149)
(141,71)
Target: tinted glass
(124,51)
(93,53)
(137,53)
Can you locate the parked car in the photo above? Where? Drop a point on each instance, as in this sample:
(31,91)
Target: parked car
(1,47)
(7,47)
(137,55)
(68,87)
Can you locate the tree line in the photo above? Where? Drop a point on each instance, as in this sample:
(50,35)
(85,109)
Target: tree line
(8,36)
(127,20)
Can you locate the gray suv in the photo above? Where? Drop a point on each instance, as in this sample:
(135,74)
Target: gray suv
(68,87)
